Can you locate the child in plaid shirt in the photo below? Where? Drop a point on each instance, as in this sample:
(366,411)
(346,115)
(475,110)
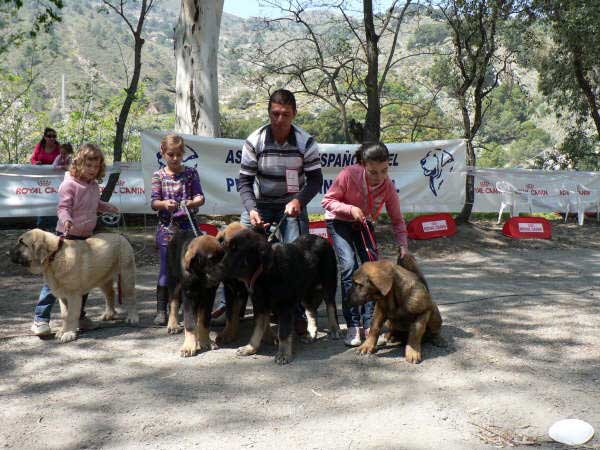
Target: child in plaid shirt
(172,186)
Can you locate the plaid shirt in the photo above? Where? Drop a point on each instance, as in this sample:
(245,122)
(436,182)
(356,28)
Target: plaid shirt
(182,186)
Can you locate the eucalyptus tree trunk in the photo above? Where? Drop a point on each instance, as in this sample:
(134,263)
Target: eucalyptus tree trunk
(196,48)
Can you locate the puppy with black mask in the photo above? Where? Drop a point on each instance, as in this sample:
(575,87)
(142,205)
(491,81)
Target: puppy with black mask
(278,277)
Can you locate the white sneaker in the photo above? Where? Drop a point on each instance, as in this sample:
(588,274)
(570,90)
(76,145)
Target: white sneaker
(40,328)
(353,337)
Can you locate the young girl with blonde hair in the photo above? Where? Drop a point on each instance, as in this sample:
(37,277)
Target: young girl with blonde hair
(173,186)
(78,205)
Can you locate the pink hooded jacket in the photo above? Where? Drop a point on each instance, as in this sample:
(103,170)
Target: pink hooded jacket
(350,189)
(79,202)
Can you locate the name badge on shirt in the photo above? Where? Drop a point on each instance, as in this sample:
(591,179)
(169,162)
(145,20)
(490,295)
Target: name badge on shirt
(291,180)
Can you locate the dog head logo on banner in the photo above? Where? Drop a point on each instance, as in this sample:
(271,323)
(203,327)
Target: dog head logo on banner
(186,160)
(436,165)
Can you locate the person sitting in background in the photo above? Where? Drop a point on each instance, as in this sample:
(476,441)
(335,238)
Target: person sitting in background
(44,153)
(63,160)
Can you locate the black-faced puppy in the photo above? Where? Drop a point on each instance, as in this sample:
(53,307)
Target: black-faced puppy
(401,299)
(73,268)
(236,294)
(193,280)
(279,276)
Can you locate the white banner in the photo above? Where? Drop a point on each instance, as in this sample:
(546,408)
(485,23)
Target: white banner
(30,191)
(549,190)
(429,176)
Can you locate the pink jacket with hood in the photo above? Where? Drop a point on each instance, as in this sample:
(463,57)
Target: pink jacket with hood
(79,202)
(350,189)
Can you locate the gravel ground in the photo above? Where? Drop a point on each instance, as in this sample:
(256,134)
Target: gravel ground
(521,318)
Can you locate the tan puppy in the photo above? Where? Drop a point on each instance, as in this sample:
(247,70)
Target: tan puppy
(72,268)
(402,299)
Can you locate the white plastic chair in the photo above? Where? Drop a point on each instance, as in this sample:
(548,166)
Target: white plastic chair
(565,198)
(587,197)
(509,197)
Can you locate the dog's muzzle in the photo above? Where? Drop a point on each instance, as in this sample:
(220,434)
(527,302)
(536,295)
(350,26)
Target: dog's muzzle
(17,257)
(354,298)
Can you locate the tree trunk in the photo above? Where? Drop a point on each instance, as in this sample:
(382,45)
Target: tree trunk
(585,85)
(465,213)
(196,48)
(373,117)
(130,97)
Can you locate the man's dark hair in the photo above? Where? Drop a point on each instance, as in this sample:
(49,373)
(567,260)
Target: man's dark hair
(283,97)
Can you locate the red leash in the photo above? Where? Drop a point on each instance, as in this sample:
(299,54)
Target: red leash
(371,254)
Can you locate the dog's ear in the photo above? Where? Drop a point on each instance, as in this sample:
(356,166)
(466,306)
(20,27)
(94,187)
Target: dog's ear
(41,247)
(189,254)
(380,277)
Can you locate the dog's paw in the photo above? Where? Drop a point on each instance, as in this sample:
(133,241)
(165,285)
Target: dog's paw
(187,350)
(174,329)
(282,358)
(308,339)
(205,346)
(246,350)
(366,349)
(67,336)
(335,334)
(109,314)
(411,355)
(133,319)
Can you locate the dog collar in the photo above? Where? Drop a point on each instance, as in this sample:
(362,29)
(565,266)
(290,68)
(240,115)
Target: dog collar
(250,284)
(51,256)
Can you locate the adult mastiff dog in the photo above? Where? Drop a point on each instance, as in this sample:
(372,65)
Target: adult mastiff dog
(72,268)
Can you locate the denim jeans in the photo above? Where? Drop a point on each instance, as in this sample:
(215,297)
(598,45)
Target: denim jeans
(350,249)
(291,229)
(46,223)
(46,300)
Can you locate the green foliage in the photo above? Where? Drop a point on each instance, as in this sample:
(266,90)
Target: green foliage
(575,30)
(578,151)
(428,35)
(26,24)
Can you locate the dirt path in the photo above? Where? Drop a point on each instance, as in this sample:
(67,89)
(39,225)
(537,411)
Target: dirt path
(521,319)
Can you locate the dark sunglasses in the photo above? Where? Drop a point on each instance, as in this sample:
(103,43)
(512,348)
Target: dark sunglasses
(51,136)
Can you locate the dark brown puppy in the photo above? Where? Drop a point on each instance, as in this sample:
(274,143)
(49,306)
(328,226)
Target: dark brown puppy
(279,276)
(193,280)
(401,299)
(236,294)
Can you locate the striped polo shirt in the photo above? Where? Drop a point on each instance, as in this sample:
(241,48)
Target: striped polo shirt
(267,161)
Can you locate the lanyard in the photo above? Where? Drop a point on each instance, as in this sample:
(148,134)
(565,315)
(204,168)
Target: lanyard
(370,198)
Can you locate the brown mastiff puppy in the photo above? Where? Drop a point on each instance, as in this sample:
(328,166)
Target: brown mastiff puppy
(402,299)
(192,281)
(236,294)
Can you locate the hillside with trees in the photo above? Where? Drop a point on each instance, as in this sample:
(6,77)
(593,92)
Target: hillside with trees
(526,120)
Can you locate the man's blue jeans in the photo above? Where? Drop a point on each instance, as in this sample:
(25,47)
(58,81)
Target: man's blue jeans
(350,249)
(291,228)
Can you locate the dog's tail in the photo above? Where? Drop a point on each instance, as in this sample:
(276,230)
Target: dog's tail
(410,263)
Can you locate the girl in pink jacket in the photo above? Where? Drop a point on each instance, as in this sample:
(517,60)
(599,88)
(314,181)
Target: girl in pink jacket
(355,200)
(78,205)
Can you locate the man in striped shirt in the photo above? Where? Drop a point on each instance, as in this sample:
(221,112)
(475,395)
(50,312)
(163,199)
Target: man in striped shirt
(280,171)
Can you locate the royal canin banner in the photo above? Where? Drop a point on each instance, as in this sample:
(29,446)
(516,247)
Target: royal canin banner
(429,176)
(549,191)
(27,190)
